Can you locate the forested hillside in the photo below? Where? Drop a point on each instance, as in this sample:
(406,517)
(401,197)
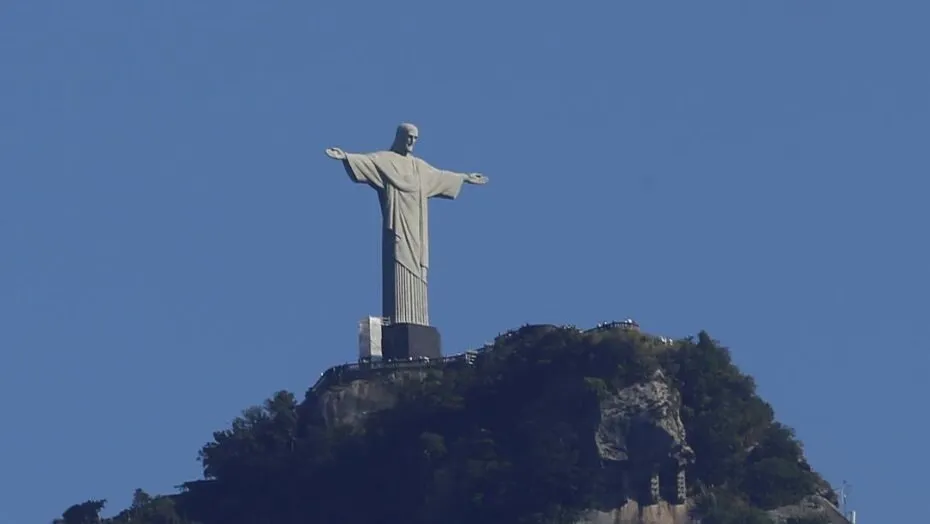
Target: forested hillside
(509,439)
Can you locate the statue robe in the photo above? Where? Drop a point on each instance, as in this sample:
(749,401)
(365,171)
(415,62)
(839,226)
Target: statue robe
(404,183)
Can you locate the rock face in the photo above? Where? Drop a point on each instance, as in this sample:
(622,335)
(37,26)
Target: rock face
(350,401)
(641,439)
(349,404)
(641,424)
(633,513)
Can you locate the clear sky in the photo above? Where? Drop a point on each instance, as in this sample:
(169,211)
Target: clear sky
(174,245)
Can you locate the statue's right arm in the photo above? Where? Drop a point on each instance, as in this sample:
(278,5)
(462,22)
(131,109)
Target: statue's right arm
(336,153)
(361,168)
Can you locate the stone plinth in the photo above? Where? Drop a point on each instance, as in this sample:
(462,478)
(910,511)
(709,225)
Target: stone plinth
(403,341)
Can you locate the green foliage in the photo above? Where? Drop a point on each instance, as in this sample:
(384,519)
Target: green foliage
(149,510)
(724,507)
(507,440)
(145,509)
(820,519)
(84,513)
(739,446)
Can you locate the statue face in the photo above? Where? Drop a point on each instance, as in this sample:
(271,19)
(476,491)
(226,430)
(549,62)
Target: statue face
(412,138)
(405,138)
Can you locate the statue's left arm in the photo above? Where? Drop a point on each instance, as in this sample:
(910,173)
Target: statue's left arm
(441,183)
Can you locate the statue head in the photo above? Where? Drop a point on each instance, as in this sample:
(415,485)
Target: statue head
(405,138)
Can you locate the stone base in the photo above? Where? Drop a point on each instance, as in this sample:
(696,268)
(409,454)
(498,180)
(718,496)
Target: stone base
(403,341)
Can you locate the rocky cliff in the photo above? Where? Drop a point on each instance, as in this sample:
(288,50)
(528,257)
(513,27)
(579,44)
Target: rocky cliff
(348,401)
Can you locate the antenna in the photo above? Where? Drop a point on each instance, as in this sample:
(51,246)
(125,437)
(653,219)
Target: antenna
(843,493)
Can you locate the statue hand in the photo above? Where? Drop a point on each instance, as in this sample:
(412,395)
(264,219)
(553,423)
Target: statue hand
(336,153)
(476,178)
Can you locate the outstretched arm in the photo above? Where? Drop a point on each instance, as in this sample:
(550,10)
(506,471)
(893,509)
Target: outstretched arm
(447,184)
(360,168)
(335,153)
(475,178)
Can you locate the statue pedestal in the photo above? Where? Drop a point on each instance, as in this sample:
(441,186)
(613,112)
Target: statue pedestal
(403,341)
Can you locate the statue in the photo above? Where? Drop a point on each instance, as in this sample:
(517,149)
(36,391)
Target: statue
(404,183)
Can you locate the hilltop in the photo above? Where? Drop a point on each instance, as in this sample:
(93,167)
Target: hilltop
(547,424)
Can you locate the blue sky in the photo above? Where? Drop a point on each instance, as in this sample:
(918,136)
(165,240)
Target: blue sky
(176,247)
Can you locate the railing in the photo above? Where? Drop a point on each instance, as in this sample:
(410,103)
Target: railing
(623,324)
(340,371)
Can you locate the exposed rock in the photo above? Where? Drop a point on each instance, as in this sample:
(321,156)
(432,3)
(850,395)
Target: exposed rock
(641,439)
(349,402)
(641,423)
(633,513)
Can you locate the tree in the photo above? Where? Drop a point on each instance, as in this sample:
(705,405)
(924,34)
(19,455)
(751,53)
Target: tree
(84,513)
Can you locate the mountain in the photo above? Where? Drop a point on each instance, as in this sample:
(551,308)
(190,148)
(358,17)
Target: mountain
(549,424)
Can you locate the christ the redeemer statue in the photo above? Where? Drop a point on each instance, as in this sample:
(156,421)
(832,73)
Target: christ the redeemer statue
(404,183)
